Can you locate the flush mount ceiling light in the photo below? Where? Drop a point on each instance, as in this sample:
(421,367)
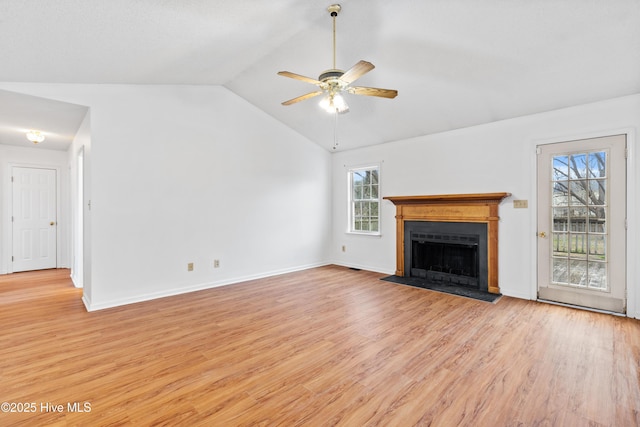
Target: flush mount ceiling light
(334,82)
(35,136)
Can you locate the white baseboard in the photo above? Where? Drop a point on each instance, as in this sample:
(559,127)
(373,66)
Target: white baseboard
(364,267)
(77,281)
(87,302)
(178,291)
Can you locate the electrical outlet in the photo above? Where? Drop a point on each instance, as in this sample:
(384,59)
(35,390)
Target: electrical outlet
(520,204)
(190,266)
(216,263)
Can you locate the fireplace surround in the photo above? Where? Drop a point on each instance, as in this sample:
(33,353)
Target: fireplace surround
(421,215)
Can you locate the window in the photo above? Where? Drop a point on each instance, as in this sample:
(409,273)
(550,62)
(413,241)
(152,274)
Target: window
(364,203)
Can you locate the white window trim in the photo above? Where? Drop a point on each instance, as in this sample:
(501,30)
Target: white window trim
(350,170)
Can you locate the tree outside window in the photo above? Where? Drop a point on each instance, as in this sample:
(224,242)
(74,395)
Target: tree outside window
(579,212)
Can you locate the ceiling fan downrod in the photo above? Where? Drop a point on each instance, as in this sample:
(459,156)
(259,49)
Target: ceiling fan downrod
(334,9)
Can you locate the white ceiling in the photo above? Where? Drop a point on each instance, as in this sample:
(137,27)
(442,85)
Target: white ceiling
(455,63)
(58,121)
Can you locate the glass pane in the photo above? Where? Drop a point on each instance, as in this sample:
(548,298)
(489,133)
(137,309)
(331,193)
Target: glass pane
(578,166)
(598,275)
(560,219)
(560,244)
(559,194)
(578,243)
(366,192)
(367,177)
(596,224)
(597,247)
(597,195)
(358,177)
(374,225)
(365,209)
(374,209)
(578,273)
(560,270)
(599,213)
(357,192)
(357,209)
(578,219)
(597,164)
(579,192)
(374,176)
(374,191)
(560,168)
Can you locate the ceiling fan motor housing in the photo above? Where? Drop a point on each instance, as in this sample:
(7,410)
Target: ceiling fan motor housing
(330,74)
(331,80)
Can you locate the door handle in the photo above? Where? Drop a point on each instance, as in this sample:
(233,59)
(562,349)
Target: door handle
(52,223)
(542,234)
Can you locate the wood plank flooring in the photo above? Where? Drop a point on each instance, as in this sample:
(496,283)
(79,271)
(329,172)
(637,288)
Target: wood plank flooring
(323,347)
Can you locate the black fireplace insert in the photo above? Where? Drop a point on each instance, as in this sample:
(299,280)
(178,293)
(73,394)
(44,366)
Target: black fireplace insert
(447,253)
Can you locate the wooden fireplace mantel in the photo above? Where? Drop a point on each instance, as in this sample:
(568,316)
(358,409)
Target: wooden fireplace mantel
(477,207)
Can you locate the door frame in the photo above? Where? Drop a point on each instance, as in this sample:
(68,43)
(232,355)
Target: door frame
(8,202)
(631,201)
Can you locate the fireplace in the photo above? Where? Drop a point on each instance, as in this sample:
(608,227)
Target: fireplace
(449,253)
(451,238)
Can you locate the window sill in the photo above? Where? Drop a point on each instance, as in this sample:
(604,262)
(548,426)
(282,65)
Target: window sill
(364,233)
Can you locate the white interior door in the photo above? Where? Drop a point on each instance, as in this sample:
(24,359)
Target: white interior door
(582,223)
(34,218)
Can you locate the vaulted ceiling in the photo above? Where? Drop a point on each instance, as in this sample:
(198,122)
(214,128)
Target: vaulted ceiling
(455,63)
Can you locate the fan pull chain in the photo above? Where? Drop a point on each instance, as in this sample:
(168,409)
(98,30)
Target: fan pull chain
(335,130)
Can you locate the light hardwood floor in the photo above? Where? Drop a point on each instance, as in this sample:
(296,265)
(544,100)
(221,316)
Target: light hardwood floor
(322,347)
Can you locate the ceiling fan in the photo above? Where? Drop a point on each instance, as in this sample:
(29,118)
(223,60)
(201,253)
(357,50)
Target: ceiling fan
(334,82)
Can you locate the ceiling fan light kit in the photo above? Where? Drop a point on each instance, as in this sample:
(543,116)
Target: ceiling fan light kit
(333,83)
(334,103)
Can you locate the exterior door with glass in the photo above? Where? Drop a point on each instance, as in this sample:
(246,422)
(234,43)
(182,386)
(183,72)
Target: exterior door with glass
(582,223)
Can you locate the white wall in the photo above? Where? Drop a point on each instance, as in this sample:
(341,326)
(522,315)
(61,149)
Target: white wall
(185,174)
(31,157)
(490,158)
(191,174)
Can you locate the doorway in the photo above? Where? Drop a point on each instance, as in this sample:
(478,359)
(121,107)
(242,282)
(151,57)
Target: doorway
(77,271)
(581,223)
(34,221)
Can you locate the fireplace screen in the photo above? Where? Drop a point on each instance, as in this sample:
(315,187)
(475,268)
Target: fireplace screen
(448,258)
(447,253)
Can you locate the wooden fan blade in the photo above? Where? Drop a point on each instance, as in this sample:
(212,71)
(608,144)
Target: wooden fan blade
(299,77)
(357,71)
(373,91)
(302,98)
